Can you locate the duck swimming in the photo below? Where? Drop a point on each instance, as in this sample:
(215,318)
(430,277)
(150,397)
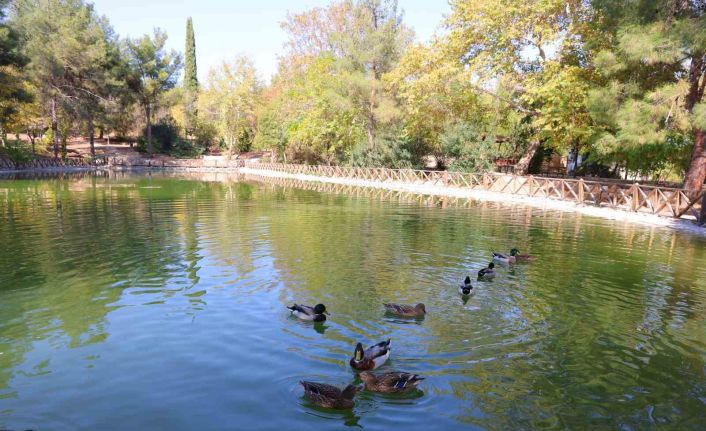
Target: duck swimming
(328,396)
(316,313)
(488,272)
(513,257)
(372,357)
(466,288)
(406,310)
(394,381)
(504,258)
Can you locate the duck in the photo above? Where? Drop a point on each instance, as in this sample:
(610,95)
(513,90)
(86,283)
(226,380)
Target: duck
(487,272)
(418,310)
(372,357)
(504,258)
(316,313)
(329,396)
(466,288)
(523,257)
(393,381)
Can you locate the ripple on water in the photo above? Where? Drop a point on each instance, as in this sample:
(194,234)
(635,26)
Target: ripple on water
(165,298)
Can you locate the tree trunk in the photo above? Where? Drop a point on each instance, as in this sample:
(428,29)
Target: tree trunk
(371,119)
(696,174)
(100,132)
(54,128)
(32,139)
(523,165)
(148,113)
(91,136)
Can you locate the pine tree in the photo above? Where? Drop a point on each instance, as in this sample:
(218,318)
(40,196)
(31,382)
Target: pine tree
(191,83)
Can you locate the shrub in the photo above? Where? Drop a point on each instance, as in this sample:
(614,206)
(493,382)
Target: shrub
(184,149)
(165,134)
(19,152)
(465,149)
(392,150)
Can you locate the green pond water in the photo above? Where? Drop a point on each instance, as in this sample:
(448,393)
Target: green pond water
(157,302)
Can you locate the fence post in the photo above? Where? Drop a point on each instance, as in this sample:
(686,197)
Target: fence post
(635,197)
(580,190)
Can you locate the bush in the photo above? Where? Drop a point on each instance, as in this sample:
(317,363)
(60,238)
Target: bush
(184,149)
(390,151)
(19,152)
(165,134)
(465,149)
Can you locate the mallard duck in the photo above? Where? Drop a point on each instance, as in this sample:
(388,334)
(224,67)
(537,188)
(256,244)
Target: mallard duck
(372,357)
(487,272)
(466,288)
(504,258)
(329,396)
(394,381)
(406,310)
(523,257)
(316,313)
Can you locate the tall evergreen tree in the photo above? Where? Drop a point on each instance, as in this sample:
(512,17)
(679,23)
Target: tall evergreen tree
(154,70)
(191,82)
(12,91)
(656,71)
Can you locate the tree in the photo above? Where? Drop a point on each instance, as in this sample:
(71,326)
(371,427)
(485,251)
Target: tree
(229,100)
(12,88)
(365,39)
(69,48)
(538,48)
(191,83)
(655,75)
(153,71)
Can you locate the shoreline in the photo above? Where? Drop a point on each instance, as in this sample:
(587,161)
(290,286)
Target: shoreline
(644,219)
(480,195)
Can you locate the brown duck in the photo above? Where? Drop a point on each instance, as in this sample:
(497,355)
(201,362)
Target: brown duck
(328,396)
(394,381)
(406,310)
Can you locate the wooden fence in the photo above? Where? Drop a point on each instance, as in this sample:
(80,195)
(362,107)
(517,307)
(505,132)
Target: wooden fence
(662,201)
(50,163)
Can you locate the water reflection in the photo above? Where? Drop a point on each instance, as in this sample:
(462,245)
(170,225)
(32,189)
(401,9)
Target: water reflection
(159,290)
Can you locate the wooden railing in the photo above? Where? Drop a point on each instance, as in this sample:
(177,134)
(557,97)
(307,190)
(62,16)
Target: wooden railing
(51,163)
(662,201)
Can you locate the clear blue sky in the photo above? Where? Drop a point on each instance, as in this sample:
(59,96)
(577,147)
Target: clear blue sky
(226,28)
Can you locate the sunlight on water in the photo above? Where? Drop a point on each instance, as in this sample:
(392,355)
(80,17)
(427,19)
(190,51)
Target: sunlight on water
(137,302)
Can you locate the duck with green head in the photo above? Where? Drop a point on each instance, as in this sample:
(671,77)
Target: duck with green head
(316,313)
(488,272)
(504,258)
(466,288)
(372,357)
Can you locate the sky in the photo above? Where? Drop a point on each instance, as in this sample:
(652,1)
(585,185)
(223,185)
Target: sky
(226,28)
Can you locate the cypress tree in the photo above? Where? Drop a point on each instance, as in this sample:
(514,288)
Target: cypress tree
(191,82)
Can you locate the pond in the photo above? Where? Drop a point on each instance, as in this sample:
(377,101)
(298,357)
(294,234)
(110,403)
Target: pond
(158,302)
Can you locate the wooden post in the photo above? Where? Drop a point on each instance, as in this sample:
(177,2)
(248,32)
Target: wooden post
(702,213)
(581,197)
(635,197)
